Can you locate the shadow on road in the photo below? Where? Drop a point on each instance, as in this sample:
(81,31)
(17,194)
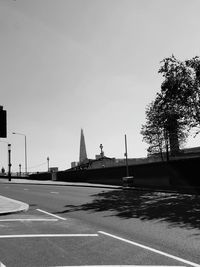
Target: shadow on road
(177,209)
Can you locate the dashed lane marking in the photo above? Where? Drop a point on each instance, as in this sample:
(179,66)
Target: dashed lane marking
(54,192)
(26,189)
(56,216)
(48,235)
(151,249)
(2,265)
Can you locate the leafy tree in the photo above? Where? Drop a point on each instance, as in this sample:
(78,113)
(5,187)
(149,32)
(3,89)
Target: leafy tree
(176,109)
(164,127)
(181,87)
(152,132)
(193,101)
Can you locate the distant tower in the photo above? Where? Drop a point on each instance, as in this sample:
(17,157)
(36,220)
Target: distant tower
(83,154)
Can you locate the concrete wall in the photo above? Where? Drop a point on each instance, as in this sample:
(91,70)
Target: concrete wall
(182,172)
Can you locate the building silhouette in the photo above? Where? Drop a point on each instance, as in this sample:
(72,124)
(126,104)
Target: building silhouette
(83,153)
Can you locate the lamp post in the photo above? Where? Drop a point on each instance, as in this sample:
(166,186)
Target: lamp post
(25,151)
(20,169)
(9,147)
(126,155)
(48,164)
(9,162)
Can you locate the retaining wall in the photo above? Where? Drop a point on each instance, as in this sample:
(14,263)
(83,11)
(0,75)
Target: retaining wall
(181,172)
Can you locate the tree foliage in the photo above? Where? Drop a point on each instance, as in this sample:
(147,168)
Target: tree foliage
(175,109)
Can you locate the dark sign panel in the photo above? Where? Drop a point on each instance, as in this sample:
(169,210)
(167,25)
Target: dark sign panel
(3,123)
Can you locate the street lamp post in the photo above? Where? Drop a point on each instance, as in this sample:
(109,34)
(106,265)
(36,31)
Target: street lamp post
(9,162)
(20,169)
(9,156)
(126,155)
(48,164)
(25,151)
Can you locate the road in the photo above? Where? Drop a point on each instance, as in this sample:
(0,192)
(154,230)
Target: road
(69,225)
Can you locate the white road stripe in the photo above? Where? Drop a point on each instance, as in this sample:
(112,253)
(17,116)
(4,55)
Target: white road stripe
(121,266)
(48,235)
(54,192)
(2,265)
(151,249)
(61,218)
(29,220)
(26,189)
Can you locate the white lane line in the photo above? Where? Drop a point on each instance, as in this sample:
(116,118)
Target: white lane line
(26,189)
(151,249)
(54,192)
(28,220)
(121,266)
(48,235)
(2,265)
(61,218)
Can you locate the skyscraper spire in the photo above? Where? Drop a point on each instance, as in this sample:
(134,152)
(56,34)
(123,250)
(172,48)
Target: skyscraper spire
(83,154)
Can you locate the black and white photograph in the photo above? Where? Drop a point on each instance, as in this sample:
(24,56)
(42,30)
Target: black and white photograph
(100,133)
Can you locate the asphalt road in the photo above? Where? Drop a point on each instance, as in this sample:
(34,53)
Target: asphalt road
(68,226)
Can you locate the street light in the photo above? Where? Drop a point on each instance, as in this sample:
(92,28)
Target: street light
(24,151)
(20,169)
(9,162)
(9,149)
(126,155)
(48,164)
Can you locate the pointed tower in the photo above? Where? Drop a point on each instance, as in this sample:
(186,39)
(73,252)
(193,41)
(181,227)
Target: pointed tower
(83,154)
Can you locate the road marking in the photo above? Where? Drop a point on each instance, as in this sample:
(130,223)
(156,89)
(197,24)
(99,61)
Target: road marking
(121,266)
(2,265)
(54,192)
(15,220)
(61,218)
(26,189)
(151,249)
(48,235)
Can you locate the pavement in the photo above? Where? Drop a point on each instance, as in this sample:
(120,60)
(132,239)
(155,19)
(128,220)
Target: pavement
(8,205)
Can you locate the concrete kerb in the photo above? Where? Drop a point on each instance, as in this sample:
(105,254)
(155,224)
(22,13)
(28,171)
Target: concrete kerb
(8,206)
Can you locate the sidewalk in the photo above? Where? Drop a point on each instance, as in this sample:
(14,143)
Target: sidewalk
(8,205)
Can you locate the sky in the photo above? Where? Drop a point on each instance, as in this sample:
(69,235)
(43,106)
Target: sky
(91,64)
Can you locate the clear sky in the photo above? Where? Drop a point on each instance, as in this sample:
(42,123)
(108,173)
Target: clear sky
(91,64)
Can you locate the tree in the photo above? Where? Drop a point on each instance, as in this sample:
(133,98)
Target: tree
(164,127)
(152,132)
(193,101)
(181,87)
(176,109)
